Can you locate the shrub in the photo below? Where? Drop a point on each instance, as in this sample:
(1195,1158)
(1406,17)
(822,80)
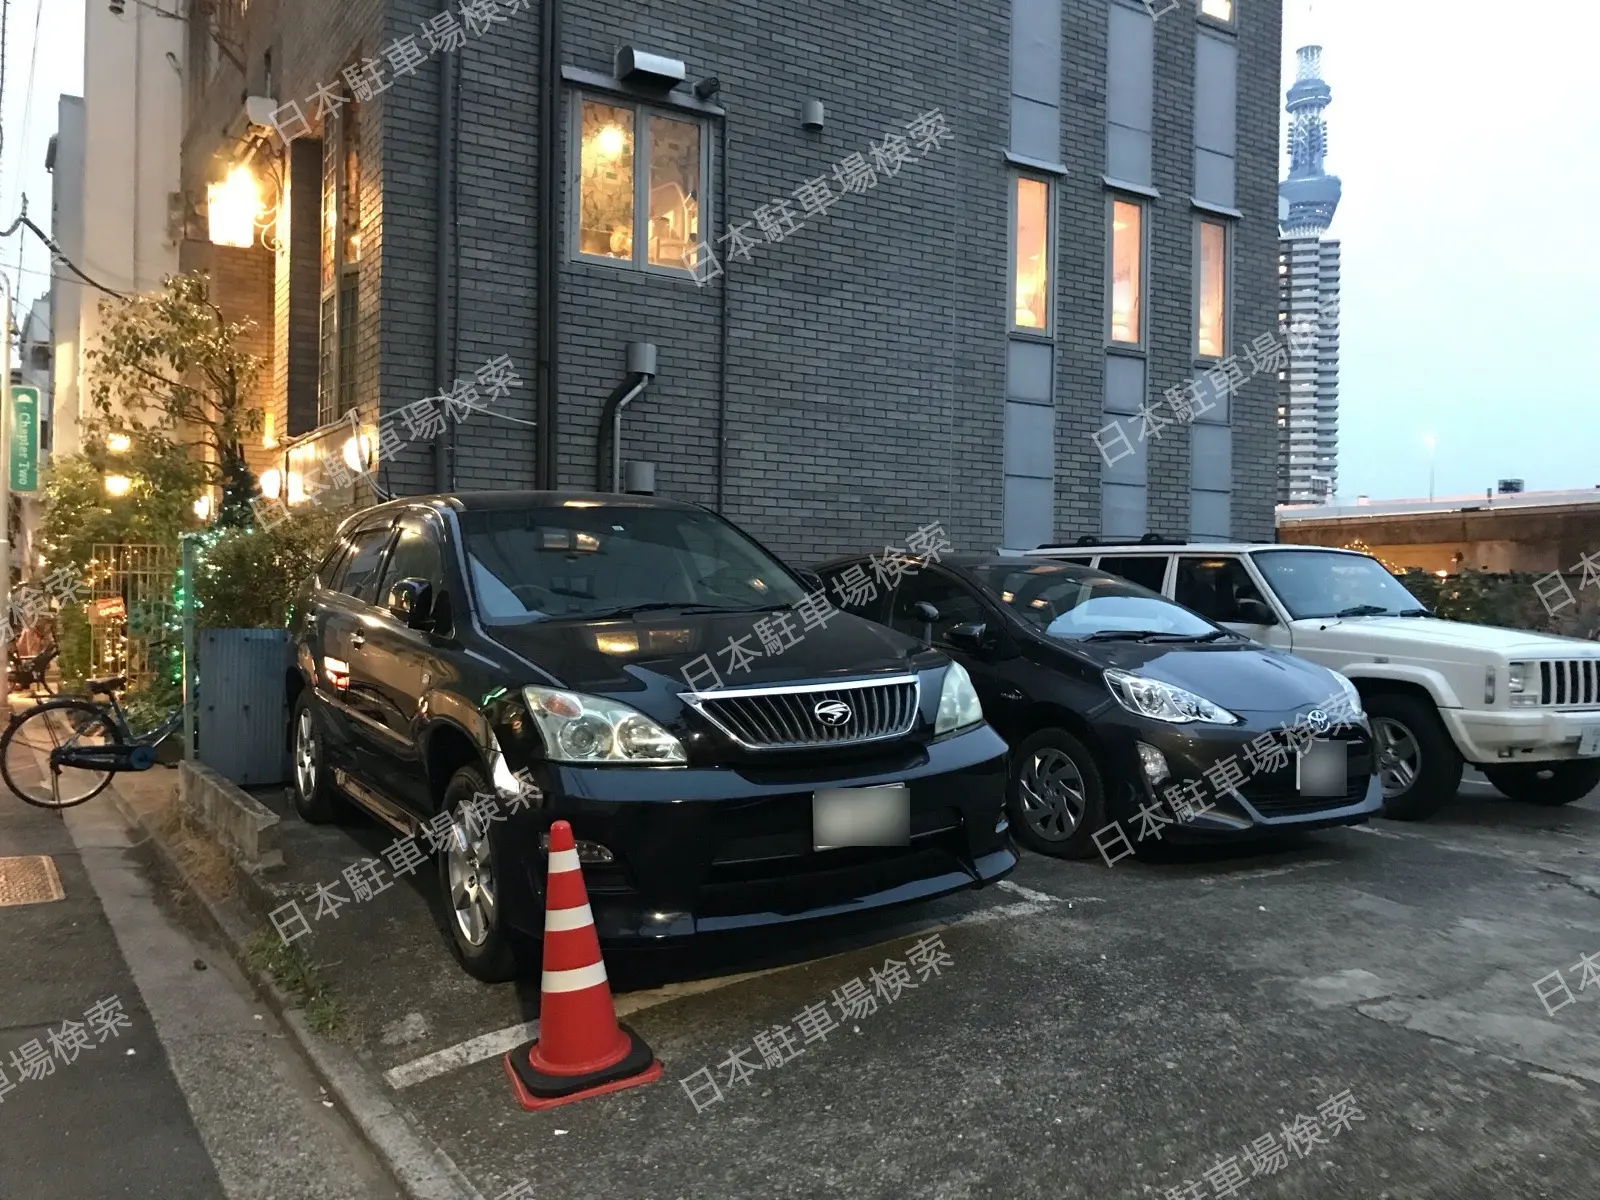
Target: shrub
(248,577)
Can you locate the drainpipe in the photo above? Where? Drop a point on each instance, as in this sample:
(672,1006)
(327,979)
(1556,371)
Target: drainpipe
(445,230)
(550,140)
(641,370)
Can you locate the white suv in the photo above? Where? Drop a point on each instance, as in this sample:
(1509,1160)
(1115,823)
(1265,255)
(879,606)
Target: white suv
(1523,707)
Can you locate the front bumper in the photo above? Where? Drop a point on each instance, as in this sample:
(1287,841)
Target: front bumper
(1265,801)
(708,849)
(1519,735)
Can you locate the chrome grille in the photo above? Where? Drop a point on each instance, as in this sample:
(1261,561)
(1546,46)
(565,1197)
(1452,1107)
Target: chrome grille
(1570,682)
(785,718)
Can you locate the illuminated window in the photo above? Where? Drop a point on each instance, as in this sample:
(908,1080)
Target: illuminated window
(1030,264)
(651,218)
(340,260)
(1127,272)
(1218,10)
(1211,278)
(674,208)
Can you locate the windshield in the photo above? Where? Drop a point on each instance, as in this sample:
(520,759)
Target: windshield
(595,560)
(1073,603)
(1325,583)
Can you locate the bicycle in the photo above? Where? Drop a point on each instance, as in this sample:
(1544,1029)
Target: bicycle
(81,744)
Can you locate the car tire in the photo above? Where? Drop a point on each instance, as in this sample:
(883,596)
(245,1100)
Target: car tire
(1550,783)
(316,798)
(1055,796)
(1422,762)
(469,887)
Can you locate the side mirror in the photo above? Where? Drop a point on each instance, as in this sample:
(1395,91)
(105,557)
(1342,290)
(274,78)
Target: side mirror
(411,601)
(929,616)
(1254,612)
(811,579)
(974,635)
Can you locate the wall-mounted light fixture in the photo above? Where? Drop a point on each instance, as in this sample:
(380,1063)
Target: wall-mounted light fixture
(234,208)
(643,69)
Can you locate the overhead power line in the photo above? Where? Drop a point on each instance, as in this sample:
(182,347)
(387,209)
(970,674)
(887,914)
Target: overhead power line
(55,250)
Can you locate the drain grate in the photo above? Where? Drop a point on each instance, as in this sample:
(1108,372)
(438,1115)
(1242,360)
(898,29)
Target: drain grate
(29,880)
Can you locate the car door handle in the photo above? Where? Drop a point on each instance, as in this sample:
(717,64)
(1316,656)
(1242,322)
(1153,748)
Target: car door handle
(1010,694)
(358,639)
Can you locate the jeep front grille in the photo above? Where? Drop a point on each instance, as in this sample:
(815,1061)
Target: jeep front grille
(786,718)
(1570,682)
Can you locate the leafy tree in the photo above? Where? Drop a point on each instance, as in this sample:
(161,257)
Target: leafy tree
(164,482)
(169,364)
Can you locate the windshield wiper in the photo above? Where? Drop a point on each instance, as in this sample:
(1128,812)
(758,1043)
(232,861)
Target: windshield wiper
(1188,637)
(1414,612)
(627,610)
(1363,610)
(1119,635)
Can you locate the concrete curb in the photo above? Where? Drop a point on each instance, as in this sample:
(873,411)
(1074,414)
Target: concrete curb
(422,1170)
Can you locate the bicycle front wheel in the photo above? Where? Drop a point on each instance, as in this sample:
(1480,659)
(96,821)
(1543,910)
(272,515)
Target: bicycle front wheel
(26,749)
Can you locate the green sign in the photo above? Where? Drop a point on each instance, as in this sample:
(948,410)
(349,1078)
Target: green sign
(24,455)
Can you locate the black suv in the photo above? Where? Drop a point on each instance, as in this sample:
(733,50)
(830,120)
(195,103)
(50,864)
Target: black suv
(730,749)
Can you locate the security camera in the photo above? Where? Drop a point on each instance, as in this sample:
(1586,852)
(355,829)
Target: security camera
(707,87)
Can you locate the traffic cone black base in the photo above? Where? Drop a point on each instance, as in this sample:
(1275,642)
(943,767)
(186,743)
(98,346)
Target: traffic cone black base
(536,1090)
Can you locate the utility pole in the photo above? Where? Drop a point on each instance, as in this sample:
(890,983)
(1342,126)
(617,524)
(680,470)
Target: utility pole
(5,474)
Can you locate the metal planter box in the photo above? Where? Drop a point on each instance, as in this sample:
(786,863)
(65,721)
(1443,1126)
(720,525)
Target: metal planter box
(243,717)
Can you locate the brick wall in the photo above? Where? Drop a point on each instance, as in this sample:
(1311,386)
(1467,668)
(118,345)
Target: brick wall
(866,352)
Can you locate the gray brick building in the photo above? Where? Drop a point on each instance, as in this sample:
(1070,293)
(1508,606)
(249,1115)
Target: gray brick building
(970,338)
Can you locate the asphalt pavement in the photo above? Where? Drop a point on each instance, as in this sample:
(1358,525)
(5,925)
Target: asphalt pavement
(165,1079)
(1357,1013)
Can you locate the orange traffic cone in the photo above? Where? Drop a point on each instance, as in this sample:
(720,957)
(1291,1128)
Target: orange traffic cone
(581,1050)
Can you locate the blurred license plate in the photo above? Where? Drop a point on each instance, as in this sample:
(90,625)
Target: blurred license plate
(1589,743)
(1323,769)
(872,816)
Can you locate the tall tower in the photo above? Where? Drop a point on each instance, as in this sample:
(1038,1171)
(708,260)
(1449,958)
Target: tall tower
(1308,280)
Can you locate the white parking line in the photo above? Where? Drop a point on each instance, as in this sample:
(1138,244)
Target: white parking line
(492,1045)
(499,1041)
(1028,893)
(1266,873)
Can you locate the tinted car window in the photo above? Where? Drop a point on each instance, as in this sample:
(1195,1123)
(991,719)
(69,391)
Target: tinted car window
(586,560)
(1147,570)
(1070,602)
(956,602)
(416,555)
(853,588)
(358,576)
(1213,587)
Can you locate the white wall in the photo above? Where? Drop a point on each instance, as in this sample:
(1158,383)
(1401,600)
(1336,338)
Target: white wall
(133,129)
(66,226)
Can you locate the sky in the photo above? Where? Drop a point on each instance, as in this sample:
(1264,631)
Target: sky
(1471,264)
(1469,152)
(54,62)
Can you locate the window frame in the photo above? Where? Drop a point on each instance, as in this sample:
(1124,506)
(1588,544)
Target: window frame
(1013,211)
(385,531)
(339,322)
(1230,22)
(643,111)
(1201,220)
(1142,344)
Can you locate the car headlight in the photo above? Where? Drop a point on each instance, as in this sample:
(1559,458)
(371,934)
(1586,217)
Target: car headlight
(958,701)
(1162,701)
(590,729)
(1517,684)
(1352,698)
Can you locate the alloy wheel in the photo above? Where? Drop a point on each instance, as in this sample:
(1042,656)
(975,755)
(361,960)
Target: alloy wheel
(1399,756)
(469,868)
(305,755)
(1052,794)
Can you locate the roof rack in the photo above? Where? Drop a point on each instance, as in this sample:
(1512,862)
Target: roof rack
(1088,539)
